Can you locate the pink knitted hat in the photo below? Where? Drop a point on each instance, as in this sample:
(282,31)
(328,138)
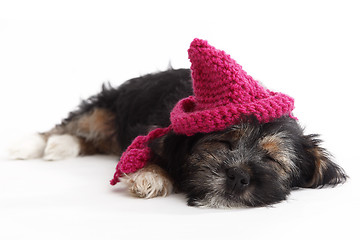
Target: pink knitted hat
(223,95)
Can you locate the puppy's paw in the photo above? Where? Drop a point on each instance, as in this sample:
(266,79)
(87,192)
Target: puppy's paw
(30,147)
(61,147)
(149,182)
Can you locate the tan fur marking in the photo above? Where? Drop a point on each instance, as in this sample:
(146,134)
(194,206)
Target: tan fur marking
(320,165)
(95,131)
(97,124)
(272,146)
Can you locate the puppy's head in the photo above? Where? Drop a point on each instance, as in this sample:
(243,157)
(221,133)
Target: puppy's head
(249,164)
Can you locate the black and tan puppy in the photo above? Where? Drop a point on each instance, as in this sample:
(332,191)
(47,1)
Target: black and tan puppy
(247,164)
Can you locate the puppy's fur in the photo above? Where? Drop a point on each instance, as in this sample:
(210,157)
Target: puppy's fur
(248,164)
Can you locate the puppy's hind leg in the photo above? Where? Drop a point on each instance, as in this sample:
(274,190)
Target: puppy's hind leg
(55,144)
(88,133)
(89,130)
(51,145)
(83,133)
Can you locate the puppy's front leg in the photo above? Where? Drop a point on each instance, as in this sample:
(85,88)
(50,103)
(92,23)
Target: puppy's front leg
(150,181)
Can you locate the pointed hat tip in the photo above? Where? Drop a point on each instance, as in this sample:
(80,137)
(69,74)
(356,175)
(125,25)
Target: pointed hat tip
(199,43)
(200,48)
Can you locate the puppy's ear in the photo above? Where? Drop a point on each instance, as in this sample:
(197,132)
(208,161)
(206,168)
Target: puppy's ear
(317,168)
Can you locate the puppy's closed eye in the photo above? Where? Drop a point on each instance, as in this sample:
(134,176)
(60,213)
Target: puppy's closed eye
(229,145)
(269,158)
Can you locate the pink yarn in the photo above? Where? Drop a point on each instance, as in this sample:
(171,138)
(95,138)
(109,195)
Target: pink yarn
(223,94)
(137,154)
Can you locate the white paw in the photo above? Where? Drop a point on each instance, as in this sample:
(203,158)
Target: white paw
(147,183)
(61,147)
(31,146)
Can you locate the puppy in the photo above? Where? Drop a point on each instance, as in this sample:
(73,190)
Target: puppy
(247,164)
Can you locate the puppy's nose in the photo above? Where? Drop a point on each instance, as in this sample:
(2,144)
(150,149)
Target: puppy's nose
(237,178)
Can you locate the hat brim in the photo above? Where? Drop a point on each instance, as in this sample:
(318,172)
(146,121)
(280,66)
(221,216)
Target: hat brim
(185,119)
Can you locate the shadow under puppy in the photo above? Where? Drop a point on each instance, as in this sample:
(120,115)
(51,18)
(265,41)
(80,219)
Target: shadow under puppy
(231,143)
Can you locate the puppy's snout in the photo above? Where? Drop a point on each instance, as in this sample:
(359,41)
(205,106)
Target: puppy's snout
(237,179)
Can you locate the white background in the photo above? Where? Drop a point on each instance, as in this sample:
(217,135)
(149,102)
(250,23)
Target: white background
(53,53)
